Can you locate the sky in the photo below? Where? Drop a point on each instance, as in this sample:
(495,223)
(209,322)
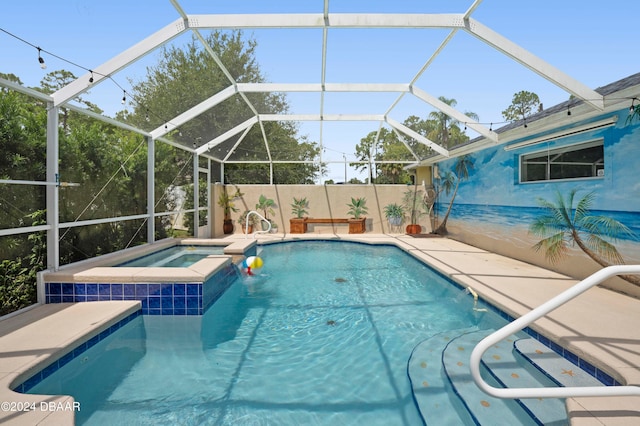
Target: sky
(591,41)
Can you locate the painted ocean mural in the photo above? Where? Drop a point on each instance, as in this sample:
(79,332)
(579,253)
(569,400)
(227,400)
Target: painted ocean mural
(493,201)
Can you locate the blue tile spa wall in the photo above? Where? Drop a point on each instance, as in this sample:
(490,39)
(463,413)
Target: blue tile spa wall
(157,298)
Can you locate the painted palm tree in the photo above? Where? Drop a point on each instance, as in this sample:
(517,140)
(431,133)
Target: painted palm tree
(450,181)
(562,224)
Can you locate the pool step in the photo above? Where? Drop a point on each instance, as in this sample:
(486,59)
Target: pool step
(560,370)
(431,390)
(484,409)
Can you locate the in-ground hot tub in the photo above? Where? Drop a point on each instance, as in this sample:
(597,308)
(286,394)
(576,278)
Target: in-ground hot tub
(187,289)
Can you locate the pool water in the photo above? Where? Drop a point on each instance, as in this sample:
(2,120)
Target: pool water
(321,336)
(176,256)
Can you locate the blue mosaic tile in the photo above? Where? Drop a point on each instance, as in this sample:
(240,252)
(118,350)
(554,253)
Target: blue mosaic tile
(92,289)
(142,290)
(605,378)
(193,289)
(179,311)
(195,311)
(80,289)
(67,299)
(586,366)
(167,289)
(154,302)
(117,290)
(92,298)
(55,288)
(167,302)
(91,342)
(179,303)
(129,290)
(571,357)
(154,312)
(55,299)
(167,311)
(67,288)
(179,289)
(154,289)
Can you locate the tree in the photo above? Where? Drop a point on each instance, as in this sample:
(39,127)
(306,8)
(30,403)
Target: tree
(447,132)
(451,181)
(522,106)
(562,224)
(184,76)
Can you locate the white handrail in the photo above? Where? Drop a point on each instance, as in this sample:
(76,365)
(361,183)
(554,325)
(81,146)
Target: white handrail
(525,320)
(246,231)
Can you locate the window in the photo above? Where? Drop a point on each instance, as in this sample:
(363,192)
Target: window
(583,160)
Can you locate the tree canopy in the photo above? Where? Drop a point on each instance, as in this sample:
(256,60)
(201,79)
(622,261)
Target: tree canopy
(184,76)
(522,106)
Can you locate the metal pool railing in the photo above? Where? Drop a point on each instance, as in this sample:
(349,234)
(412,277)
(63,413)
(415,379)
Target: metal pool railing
(527,319)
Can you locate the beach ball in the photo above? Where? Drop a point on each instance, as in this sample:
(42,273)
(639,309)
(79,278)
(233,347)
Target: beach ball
(252,263)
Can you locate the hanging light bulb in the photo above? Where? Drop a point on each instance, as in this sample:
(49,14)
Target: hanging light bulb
(632,107)
(568,110)
(41,60)
(124,97)
(146,115)
(91,78)
(491,127)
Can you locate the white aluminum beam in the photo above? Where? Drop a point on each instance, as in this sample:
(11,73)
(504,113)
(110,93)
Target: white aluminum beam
(332,20)
(407,131)
(119,62)
(317,87)
(195,111)
(535,64)
(226,135)
(320,117)
(455,114)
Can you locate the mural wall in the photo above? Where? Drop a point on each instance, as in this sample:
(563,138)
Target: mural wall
(494,209)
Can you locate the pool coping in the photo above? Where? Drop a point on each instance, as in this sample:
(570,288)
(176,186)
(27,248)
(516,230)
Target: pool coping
(512,286)
(31,341)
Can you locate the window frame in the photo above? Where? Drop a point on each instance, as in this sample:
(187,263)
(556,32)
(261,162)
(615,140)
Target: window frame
(599,167)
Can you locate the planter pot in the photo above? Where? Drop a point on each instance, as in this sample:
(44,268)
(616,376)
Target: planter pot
(249,231)
(394,220)
(357,226)
(414,229)
(298,226)
(227,226)
(265,225)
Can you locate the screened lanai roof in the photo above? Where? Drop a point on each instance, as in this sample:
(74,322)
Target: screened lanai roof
(348,66)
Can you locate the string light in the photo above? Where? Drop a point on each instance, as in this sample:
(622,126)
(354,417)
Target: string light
(632,107)
(568,110)
(124,97)
(41,60)
(91,78)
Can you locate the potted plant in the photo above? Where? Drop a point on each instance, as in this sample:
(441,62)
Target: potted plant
(226,202)
(266,206)
(394,213)
(298,225)
(412,202)
(242,220)
(357,208)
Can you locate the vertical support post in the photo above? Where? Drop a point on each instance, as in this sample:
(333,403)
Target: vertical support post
(151,190)
(196,195)
(52,191)
(209,200)
(222,174)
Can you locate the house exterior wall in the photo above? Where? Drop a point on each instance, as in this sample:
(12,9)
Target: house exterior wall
(493,209)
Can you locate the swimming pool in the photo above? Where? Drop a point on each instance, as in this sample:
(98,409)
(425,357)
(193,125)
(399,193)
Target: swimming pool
(321,336)
(176,256)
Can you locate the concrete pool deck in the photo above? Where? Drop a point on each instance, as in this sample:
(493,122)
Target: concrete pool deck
(600,326)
